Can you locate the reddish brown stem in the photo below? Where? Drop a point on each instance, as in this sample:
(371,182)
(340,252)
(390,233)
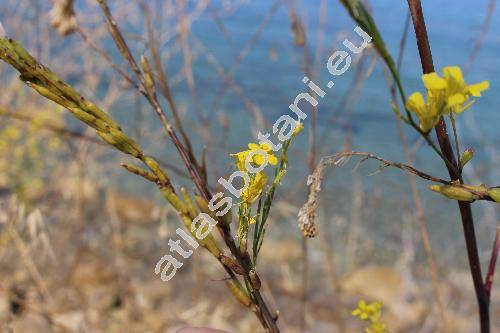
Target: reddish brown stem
(447,150)
(493,261)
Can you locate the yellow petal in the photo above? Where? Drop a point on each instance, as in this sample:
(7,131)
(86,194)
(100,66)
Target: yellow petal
(432,81)
(454,73)
(456,100)
(298,128)
(265,147)
(427,123)
(259,159)
(476,89)
(272,159)
(253,146)
(416,103)
(463,108)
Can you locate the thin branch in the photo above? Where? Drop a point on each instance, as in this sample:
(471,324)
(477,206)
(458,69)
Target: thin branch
(446,149)
(493,260)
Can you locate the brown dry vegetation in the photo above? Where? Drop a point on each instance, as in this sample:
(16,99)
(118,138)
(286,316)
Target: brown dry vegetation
(78,243)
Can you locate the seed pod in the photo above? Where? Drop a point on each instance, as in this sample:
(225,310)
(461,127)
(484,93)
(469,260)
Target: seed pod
(232,264)
(243,243)
(208,242)
(203,207)
(149,84)
(156,169)
(202,204)
(239,293)
(125,144)
(42,90)
(98,113)
(454,192)
(467,155)
(494,194)
(189,202)
(141,172)
(173,199)
(90,120)
(254,278)
(480,190)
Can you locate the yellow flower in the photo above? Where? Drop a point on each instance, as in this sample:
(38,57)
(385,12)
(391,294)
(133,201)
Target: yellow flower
(433,82)
(256,158)
(254,189)
(376,327)
(371,313)
(298,128)
(458,92)
(240,159)
(445,94)
(427,112)
(252,220)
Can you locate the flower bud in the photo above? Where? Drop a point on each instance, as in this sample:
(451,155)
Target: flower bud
(494,194)
(454,192)
(467,155)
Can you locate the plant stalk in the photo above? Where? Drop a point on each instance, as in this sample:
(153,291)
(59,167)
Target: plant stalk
(447,150)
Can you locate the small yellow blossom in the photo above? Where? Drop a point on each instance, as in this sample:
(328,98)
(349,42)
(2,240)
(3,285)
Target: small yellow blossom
(252,220)
(376,327)
(427,112)
(370,313)
(256,157)
(445,94)
(254,189)
(298,128)
(458,92)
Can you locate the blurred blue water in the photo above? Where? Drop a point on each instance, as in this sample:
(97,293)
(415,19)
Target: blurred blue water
(271,84)
(453,28)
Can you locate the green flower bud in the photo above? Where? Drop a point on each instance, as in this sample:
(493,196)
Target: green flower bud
(467,155)
(494,194)
(454,192)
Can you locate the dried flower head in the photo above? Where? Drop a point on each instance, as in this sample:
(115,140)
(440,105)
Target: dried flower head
(63,17)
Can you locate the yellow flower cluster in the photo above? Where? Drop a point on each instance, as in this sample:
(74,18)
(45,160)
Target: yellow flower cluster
(256,155)
(445,95)
(370,313)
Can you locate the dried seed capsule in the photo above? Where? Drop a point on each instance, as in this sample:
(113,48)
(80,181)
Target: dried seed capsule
(454,192)
(239,293)
(232,264)
(494,194)
(254,278)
